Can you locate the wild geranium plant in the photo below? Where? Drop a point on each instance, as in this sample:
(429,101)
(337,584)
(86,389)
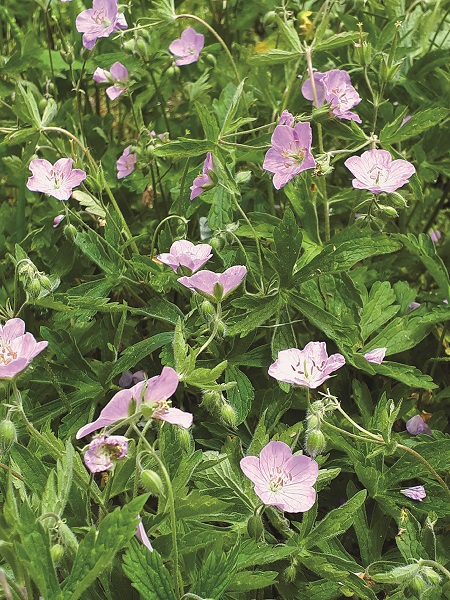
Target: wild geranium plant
(227,225)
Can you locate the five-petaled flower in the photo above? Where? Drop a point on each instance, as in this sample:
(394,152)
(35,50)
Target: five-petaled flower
(290,153)
(203,181)
(215,285)
(118,75)
(126,163)
(184,253)
(309,367)
(99,21)
(152,394)
(103,452)
(416,425)
(375,171)
(376,355)
(334,88)
(415,493)
(56,180)
(17,348)
(281,479)
(187,48)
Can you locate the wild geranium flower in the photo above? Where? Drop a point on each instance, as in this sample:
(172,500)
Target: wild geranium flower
(375,171)
(309,367)
(17,348)
(142,536)
(376,356)
(187,49)
(186,254)
(99,21)
(415,493)
(215,285)
(435,235)
(286,118)
(126,163)
(413,305)
(57,220)
(281,479)
(56,180)
(416,425)
(153,394)
(103,452)
(334,88)
(117,74)
(203,181)
(290,153)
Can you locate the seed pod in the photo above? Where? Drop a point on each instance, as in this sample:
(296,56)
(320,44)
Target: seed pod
(315,443)
(57,553)
(8,435)
(152,482)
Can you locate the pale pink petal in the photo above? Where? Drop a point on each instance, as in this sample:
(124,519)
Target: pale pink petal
(142,536)
(231,278)
(175,416)
(114,92)
(119,72)
(161,387)
(13,328)
(251,469)
(376,356)
(297,498)
(100,75)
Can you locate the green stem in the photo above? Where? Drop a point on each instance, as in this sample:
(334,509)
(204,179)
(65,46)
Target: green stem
(20,211)
(214,331)
(173,518)
(353,435)
(238,133)
(158,227)
(218,38)
(13,473)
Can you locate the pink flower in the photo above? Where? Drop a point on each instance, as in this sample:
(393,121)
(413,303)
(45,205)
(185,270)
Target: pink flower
(282,480)
(188,47)
(57,220)
(126,163)
(416,425)
(204,180)
(142,536)
(290,153)
(128,378)
(56,180)
(103,452)
(375,171)
(413,305)
(186,254)
(17,348)
(405,120)
(286,118)
(118,74)
(415,493)
(309,367)
(215,285)
(334,88)
(152,393)
(435,235)
(99,21)
(376,356)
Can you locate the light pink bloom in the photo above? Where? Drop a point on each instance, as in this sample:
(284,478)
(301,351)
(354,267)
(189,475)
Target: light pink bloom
(204,180)
(413,305)
(153,393)
(435,235)
(142,536)
(376,356)
(99,21)
(103,452)
(416,425)
(56,180)
(215,285)
(17,348)
(57,220)
(281,479)
(286,118)
(309,367)
(415,493)
(126,163)
(290,153)
(334,88)
(186,254)
(375,171)
(405,120)
(187,49)
(117,74)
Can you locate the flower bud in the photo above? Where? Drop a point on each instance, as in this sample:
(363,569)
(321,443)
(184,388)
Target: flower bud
(228,414)
(57,553)
(312,422)
(33,289)
(8,435)
(68,539)
(269,18)
(290,572)
(211,398)
(255,528)
(211,59)
(129,45)
(26,270)
(207,310)
(221,329)
(173,71)
(430,575)
(315,443)
(184,439)
(45,282)
(142,48)
(152,482)
(217,243)
(70,232)
(388,210)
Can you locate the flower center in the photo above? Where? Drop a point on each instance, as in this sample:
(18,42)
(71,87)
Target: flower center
(377,174)
(279,479)
(294,154)
(191,49)
(7,354)
(56,177)
(101,19)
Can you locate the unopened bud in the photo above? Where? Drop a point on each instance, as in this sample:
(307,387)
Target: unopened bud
(290,573)
(255,527)
(211,59)
(8,435)
(217,243)
(207,310)
(221,329)
(228,414)
(152,482)
(211,398)
(312,422)
(45,282)
(26,270)
(70,231)
(129,45)
(315,443)
(33,289)
(142,48)
(68,539)
(430,575)
(57,553)
(418,585)
(173,71)
(388,210)
(184,439)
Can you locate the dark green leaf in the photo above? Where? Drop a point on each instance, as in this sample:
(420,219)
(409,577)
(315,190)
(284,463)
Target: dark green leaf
(147,573)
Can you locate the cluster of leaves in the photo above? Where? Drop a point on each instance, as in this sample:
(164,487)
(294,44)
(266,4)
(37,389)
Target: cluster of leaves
(106,306)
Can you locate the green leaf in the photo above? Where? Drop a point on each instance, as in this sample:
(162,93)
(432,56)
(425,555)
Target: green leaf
(91,204)
(275,57)
(406,374)
(159,309)
(232,109)
(220,214)
(287,29)
(419,122)
(337,40)
(208,121)
(89,243)
(216,574)
(132,355)
(378,309)
(30,110)
(436,452)
(336,521)
(424,247)
(33,470)
(147,573)
(23,135)
(97,550)
(240,396)
(252,580)
(184,149)
(288,241)
(50,112)
(259,311)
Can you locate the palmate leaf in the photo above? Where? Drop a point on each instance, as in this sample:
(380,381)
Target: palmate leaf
(425,249)
(147,573)
(241,395)
(216,574)
(288,241)
(378,309)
